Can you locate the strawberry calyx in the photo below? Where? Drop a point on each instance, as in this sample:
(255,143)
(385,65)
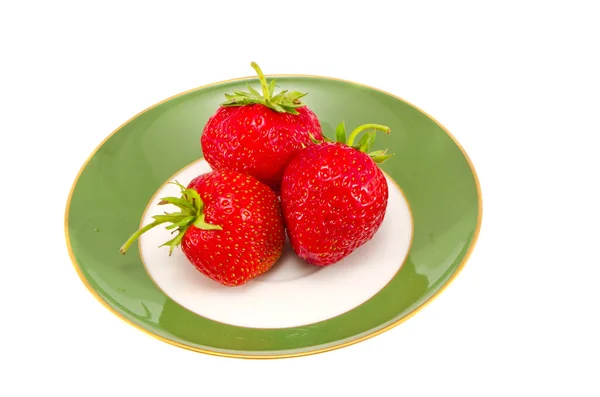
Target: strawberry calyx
(364,144)
(191,213)
(283,102)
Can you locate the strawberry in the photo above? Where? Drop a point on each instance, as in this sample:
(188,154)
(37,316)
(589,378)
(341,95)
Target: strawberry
(334,196)
(229,226)
(259,134)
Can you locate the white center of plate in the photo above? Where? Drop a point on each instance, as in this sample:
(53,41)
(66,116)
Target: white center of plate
(292,293)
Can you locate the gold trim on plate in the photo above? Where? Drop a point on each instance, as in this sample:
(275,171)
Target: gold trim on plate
(285,355)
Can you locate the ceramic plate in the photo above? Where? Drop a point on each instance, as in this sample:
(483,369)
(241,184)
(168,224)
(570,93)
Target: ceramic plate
(431,225)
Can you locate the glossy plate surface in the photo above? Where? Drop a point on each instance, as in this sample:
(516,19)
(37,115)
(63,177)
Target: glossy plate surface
(114,189)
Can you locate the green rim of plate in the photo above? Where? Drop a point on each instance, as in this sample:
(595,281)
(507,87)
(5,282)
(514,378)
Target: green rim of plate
(115,184)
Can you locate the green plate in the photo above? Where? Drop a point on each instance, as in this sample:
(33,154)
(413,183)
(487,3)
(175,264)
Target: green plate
(114,191)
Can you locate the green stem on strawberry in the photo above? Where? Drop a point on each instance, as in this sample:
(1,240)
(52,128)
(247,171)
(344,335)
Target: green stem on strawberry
(137,234)
(283,102)
(365,143)
(363,127)
(262,79)
(191,213)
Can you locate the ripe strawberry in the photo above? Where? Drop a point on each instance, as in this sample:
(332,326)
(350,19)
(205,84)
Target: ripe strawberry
(259,134)
(229,226)
(334,196)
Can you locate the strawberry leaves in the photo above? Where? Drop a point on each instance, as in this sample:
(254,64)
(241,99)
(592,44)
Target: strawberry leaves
(340,133)
(364,144)
(241,98)
(283,102)
(191,212)
(380,156)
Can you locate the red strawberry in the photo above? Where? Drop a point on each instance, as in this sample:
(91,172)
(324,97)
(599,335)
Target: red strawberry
(334,196)
(259,134)
(229,226)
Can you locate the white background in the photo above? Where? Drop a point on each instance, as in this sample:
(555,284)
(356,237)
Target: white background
(517,83)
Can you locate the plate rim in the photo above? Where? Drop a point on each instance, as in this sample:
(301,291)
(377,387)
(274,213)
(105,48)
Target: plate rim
(362,338)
